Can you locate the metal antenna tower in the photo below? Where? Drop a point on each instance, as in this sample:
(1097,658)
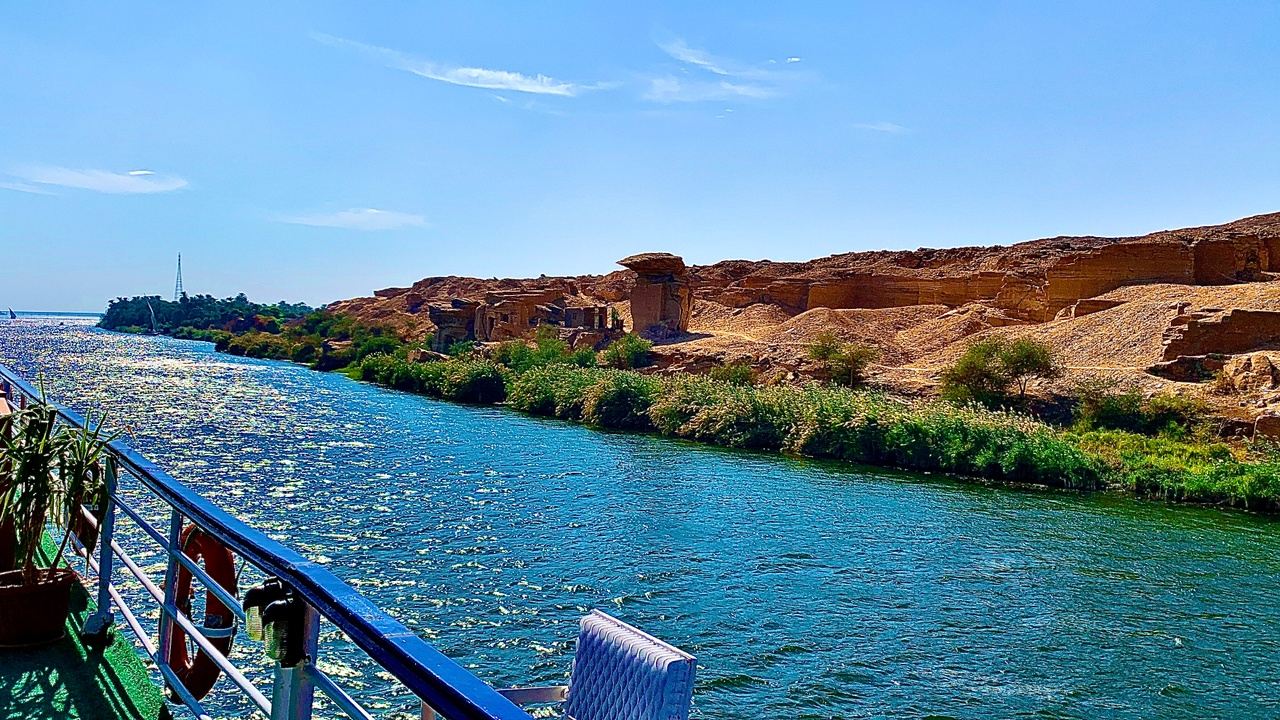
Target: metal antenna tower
(177,284)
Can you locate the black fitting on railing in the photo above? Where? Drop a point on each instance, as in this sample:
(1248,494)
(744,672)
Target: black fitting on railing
(275,615)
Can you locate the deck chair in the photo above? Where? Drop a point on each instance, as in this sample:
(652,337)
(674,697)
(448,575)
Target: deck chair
(619,673)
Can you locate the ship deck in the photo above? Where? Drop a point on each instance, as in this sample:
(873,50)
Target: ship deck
(66,679)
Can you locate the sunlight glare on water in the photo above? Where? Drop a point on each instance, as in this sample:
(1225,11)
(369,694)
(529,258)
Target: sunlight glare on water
(805,589)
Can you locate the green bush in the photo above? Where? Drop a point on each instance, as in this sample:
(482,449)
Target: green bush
(738,373)
(461,348)
(1101,405)
(377,344)
(1172,469)
(546,349)
(554,390)
(756,418)
(627,352)
(471,381)
(257,344)
(621,401)
(845,361)
(827,421)
(214,336)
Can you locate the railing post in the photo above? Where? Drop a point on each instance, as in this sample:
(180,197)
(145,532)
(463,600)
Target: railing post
(170,584)
(293,692)
(98,625)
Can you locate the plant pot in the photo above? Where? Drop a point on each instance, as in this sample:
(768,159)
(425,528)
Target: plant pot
(8,545)
(87,534)
(37,613)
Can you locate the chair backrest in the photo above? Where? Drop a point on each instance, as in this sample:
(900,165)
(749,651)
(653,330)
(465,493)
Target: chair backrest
(621,673)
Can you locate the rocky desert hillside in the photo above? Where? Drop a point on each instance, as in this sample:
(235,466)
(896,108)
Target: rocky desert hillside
(1169,309)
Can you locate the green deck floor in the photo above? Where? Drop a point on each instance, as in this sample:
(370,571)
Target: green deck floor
(68,680)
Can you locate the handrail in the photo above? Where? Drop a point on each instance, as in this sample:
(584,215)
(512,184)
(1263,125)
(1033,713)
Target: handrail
(431,675)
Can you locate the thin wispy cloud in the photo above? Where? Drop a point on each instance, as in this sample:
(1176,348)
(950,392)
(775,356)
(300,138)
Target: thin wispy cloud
(730,79)
(671,89)
(882,127)
(474,77)
(131,182)
(680,50)
(359,219)
(25,188)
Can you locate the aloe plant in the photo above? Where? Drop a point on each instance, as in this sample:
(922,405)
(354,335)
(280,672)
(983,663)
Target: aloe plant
(47,472)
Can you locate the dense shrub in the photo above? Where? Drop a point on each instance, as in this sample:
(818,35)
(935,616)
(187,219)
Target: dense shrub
(192,333)
(627,352)
(738,373)
(1101,405)
(546,349)
(256,344)
(471,381)
(620,400)
(553,390)
(1171,469)
(461,348)
(377,345)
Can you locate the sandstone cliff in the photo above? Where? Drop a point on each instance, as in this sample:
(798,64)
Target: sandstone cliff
(1109,305)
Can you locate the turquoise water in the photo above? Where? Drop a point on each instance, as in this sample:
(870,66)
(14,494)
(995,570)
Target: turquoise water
(805,589)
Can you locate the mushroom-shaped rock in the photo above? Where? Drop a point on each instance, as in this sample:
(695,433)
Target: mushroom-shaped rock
(657,263)
(661,300)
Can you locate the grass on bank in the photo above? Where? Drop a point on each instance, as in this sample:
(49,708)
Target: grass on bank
(827,421)
(1120,440)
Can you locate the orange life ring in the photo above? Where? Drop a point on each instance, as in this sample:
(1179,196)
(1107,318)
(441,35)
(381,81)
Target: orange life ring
(199,673)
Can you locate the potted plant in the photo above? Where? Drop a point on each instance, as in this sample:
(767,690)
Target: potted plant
(84,485)
(46,472)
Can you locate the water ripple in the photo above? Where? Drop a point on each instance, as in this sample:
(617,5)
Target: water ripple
(810,590)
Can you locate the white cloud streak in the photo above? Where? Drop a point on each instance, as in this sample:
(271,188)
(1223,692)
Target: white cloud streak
(25,188)
(681,51)
(368,219)
(103,181)
(735,80)
(881,127)
(670,89)
(474,77)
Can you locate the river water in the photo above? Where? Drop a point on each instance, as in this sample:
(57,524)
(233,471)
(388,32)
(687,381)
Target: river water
(805,589)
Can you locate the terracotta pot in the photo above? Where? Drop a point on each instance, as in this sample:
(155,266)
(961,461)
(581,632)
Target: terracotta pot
(34,614)
(87,534)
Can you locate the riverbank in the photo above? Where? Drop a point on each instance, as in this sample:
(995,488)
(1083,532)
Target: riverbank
(860,426)
(809,420)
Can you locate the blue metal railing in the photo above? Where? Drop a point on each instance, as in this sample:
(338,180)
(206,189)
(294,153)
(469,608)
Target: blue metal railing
(436,680)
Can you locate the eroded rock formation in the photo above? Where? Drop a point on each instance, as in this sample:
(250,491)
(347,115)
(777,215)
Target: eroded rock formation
(661,297)
(1171,306)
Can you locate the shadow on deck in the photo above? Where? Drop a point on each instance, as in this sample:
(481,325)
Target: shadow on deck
(68,680)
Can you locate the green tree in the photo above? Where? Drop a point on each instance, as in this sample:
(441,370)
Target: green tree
(1025,360)
(851,361)
(846,361)
(989,367)
(824,348)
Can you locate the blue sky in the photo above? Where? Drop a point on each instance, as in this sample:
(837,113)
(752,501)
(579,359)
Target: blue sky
(316,151)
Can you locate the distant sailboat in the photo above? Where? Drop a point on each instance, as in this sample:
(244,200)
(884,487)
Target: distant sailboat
(12,315)
(153,317)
